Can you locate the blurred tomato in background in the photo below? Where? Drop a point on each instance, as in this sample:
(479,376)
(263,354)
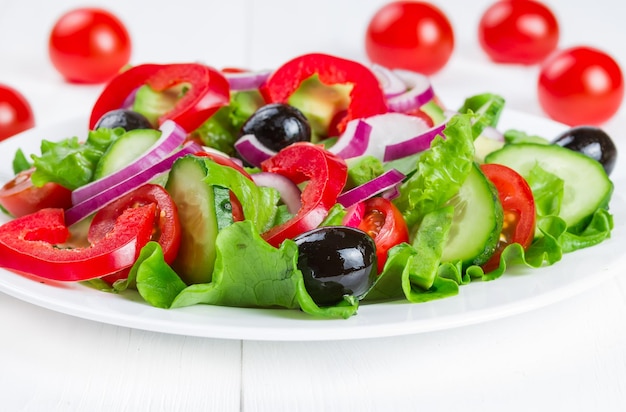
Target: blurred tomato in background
(580,85)
(89,45)
(522,32)
(16,114)
(410,35)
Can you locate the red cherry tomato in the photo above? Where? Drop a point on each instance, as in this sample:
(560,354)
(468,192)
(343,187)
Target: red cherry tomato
(20,197)
(523,32)
(89,45)
(518,204)
(580,85)
(16,114)
(411,35)
(384,223)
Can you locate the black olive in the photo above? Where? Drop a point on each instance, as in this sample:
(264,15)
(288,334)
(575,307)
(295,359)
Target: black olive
(277,126)
(590,141)
(336,261)
(124,118)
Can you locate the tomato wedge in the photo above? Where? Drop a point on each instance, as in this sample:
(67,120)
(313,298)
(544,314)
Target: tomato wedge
(518,204)
(384,223)
(20,197)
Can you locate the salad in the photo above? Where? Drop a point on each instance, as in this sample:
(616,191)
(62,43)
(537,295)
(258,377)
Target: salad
(315,186)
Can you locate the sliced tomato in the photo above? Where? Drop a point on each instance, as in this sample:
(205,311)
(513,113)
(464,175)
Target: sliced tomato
(166,230)
(20,197)
(384,223)
(518,204)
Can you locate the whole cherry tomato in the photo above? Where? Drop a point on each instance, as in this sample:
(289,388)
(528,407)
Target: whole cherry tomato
(410,35)
(523,32)
(580,85)
(89,45)
(16,115)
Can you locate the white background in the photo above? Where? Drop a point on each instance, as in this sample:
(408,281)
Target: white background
(567,356)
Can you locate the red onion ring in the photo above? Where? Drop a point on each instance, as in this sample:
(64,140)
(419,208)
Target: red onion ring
(419,92)
(242,81)
(390,82)
(414,145)
(353,141)
(375,186)
(252,150)
(290,194)
(172,136)
(108,194)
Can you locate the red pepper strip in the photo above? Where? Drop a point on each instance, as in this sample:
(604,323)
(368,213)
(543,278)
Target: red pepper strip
(30,245)
(209,91)
(366,97)
(119,88)
(326,175)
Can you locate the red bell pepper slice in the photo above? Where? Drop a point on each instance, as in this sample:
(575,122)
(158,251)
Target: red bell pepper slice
(30,244)
(209,91)
(326,174)
(119,88)
(366,97)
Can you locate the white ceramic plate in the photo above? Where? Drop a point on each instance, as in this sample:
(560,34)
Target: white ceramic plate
(477,302)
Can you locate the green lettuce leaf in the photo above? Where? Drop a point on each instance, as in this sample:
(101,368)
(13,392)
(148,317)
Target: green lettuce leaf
(20,162)
(486,108)
(440,172)
(362,169)
(259,203)
(513,136)
(248,273)
(412,270)
(69,162)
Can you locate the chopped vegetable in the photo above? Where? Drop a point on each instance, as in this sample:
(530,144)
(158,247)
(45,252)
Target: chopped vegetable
(407,191)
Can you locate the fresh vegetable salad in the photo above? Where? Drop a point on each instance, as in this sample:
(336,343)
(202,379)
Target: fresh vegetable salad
(315,186)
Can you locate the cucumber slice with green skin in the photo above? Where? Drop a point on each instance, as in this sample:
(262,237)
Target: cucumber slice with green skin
(124,150)
(587,187)
(477,221)
(197,214)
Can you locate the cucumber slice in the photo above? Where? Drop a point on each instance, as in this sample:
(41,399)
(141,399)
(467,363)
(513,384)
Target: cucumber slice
(587,187)
(124,150)
(477,221)
(196,210)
